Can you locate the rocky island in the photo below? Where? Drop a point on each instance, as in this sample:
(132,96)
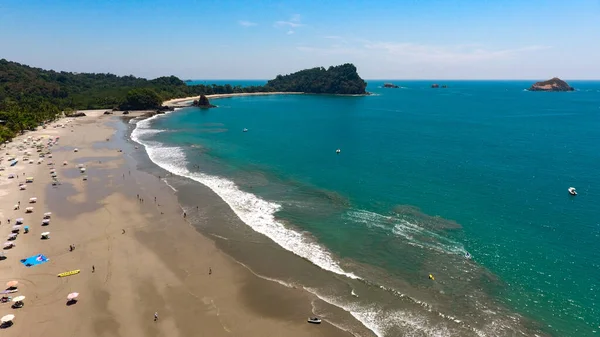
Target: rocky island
(338,80)
(203,103)
(390,85)
(554,84)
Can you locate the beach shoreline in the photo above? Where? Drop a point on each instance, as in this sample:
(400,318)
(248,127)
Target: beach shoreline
(186,101)
(136,255)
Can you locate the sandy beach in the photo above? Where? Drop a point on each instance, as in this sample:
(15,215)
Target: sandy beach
(185,101)
(137,255)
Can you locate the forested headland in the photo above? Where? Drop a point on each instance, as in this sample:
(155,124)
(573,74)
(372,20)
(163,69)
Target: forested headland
(31,96)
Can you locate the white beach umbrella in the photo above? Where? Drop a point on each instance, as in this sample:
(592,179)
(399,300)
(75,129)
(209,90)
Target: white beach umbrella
(19,220)
(72,296)
(7,318)
(15,227)
(47,215)
(18,298)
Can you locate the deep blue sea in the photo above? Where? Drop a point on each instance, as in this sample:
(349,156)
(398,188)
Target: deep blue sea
(423,177)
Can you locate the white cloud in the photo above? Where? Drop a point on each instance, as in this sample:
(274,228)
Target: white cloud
(446,54)
(332,37)
(245,23)
(414,53)
(293,22)
(290,32)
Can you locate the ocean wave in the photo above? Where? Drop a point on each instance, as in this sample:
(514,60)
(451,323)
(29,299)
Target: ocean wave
(387,322)
(257,213)
(415,235)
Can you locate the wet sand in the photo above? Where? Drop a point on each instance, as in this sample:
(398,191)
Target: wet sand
(147,257)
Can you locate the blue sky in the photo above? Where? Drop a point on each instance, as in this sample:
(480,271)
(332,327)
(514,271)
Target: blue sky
(412,39)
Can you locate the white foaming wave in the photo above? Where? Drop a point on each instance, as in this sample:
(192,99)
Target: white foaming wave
(408,230)
(380,321)
(257,213)
(442,244)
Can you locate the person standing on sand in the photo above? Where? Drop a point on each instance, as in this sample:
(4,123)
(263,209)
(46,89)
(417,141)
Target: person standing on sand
(209,271)
(184,215)
(93,268)
(156,316)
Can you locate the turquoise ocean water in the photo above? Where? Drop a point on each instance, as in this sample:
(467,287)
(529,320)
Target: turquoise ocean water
(424,176)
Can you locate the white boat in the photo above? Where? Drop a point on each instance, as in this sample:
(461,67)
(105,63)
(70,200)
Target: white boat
(245,130)
(338,151)
(572,191)
(314,320)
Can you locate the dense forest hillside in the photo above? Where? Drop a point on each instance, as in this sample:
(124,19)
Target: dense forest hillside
(342,79)
(30,96)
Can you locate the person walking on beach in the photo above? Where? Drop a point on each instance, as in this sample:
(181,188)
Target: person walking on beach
(93,268)
(184,215)
(209,271)
(156,316)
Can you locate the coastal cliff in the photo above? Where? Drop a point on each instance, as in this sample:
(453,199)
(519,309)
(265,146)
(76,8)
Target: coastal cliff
(554,84)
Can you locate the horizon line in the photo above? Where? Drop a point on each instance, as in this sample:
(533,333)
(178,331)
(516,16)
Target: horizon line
(403,79)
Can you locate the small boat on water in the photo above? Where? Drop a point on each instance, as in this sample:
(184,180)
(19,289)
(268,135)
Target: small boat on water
(338,151)
(572,191)
(314,320)
(468,256)
(245,130)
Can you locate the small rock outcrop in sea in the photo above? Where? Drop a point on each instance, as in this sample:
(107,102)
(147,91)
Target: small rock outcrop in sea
(390,85)
(435,85)
(554,84)
(107,112)
(444,86)
(203,102)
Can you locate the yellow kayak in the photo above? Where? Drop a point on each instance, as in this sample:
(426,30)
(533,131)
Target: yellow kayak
(69,273)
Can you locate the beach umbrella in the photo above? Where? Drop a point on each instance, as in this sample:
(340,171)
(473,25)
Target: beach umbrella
(45,234)
(47,215)
(8,244)
(19,220)
(7,318)
(12,236)
(64,163)
(72,296)
(12,284)
(18,299)
(15,227)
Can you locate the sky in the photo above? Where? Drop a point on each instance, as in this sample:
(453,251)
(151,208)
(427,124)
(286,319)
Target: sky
(402,39)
